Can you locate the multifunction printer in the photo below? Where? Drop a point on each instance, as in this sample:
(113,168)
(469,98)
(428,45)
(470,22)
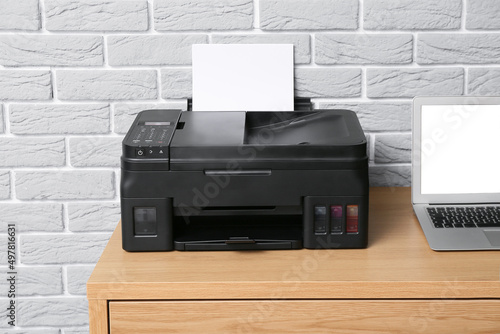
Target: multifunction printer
(237,180)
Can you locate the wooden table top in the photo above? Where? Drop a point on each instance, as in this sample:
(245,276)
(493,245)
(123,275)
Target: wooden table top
(398,263)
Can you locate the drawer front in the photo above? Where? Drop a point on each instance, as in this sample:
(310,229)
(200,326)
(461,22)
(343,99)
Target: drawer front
(306,316)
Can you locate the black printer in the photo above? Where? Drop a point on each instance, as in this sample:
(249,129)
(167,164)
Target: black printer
(236,180)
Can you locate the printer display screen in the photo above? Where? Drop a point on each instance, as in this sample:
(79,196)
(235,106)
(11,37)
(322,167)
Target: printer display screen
(157,123)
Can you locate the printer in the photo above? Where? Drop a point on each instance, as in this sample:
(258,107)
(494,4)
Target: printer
(237,180)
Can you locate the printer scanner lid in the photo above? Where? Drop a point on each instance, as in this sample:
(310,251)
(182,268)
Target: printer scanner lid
(284,140)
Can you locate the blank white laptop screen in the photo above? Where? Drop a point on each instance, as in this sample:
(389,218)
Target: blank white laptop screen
(460,151)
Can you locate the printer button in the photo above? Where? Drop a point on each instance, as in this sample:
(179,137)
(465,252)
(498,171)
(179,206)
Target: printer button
(157,152)
(144,221)
(160,152)
(140,152)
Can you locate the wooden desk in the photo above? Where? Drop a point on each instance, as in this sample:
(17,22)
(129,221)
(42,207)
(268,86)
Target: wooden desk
(398,284)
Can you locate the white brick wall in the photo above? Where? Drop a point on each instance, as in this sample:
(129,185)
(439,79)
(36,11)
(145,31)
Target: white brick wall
(181,15)
(25,85)
(74,73)
(363,49)
(413,15)
(96,15)
(4,185)
(106,84)
(51,118)
(20,15)
(31,217)
(67,184)
(53,50)
(156,50)
(308,15)
(409,82)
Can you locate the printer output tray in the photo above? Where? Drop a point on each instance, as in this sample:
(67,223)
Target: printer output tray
(252,232)
(231,244)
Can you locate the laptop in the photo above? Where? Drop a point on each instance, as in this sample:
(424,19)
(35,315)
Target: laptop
(456,171)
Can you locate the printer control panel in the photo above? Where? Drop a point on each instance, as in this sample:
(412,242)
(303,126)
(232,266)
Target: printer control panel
(150,135)
(151,139)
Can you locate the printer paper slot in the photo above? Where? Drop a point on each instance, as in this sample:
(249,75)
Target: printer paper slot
(257,245)
(244,172)
(239,208)
(238,232)
(239,240)
(237,211)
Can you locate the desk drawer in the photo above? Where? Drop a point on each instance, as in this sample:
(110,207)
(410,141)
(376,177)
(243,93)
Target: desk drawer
(306,316)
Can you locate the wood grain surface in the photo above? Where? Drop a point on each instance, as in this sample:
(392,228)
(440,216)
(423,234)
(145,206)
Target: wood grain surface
(398,263)
(317,316)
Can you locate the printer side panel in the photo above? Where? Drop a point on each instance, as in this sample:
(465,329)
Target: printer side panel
(146,220)
(338,218)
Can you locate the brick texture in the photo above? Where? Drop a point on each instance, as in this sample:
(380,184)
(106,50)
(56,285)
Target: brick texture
(398,82)
(3,258)
(53,312)
(62,248)
(176,83)
(96,15)
(363,49)
(32,152)
(393,148)
(173,15)
(51,185)
(93,217)
(53,50)
(36,281)
(397,176)
(308,14)
(483,14)
(20,15)
(410,15)
(75,73)
(106,84)
(331,82)
(34,331)
(150,50)
(59,118)
(77,279)
(458,48)
(84,330)
(4,185)
(95,151)
(30,217)
(484,81)
(25,85)
(2,126)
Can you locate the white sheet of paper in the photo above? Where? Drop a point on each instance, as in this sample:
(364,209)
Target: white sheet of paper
(251,77)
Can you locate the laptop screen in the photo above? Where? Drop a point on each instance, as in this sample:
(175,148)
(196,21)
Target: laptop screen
(460,149)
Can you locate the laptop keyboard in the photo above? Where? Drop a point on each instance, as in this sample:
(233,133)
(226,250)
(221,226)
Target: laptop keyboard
(465,217)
